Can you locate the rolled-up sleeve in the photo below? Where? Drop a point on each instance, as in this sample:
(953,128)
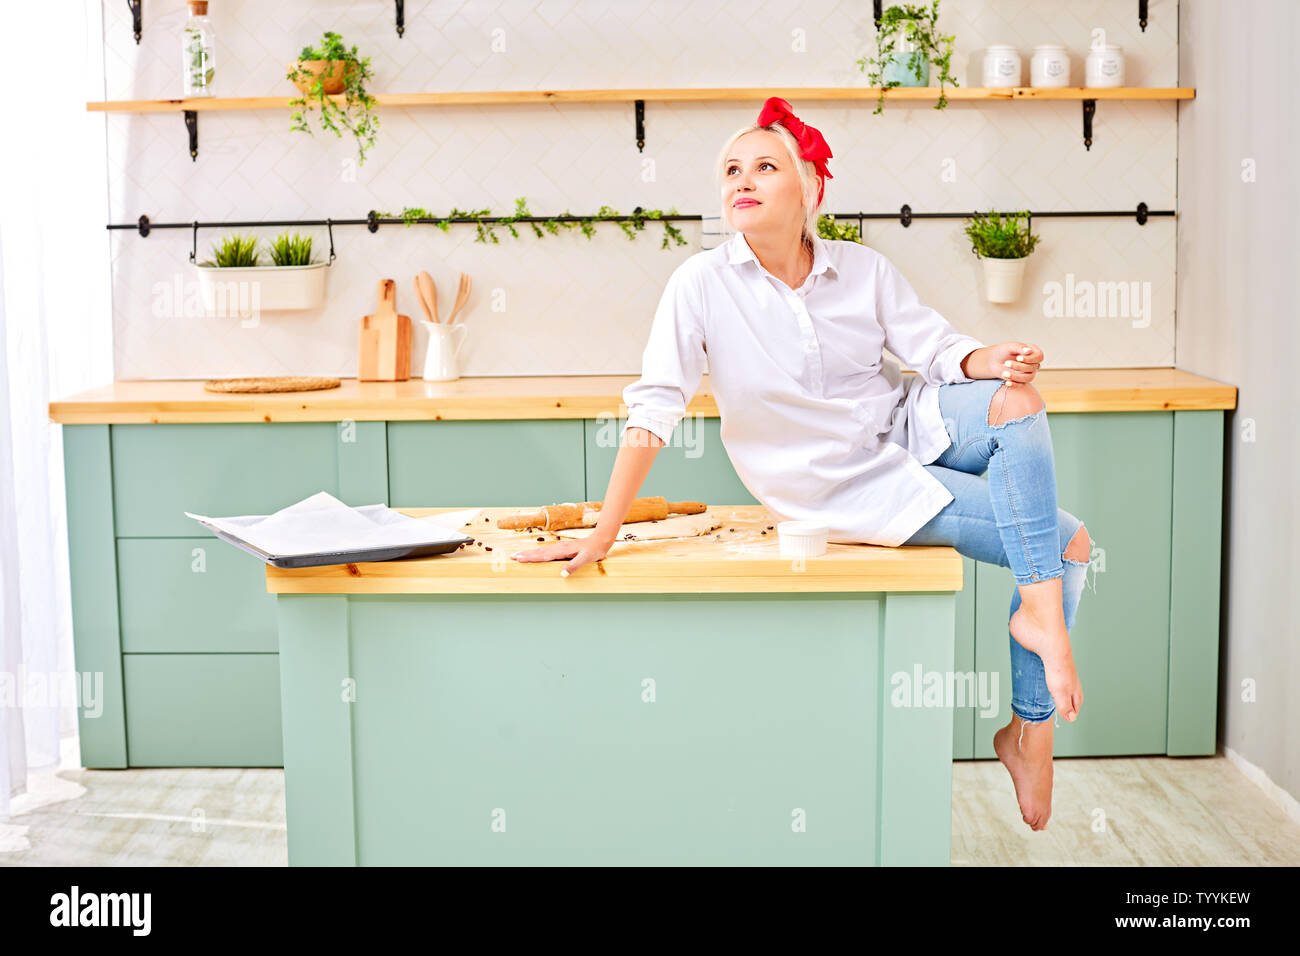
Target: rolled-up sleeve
(674,359)
(916,333)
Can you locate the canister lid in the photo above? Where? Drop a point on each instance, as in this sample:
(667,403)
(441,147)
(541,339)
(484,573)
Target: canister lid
(198,8)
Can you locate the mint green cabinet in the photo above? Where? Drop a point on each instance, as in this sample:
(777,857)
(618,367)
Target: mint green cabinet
(203,710)
(162,471)
(1116,472)
(484,463)
(155,595)
(694,466)
(191,595)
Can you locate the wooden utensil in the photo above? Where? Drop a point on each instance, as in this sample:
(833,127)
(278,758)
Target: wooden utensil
(428,293)
(584,514)
(384,349)
(462,296)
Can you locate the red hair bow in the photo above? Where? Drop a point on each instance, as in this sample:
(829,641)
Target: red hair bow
(812,145)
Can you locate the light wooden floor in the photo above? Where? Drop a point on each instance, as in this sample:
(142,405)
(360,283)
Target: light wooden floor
(1128,811)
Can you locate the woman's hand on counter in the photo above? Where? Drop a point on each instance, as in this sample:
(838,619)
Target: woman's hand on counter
(578,552)
(1010,361)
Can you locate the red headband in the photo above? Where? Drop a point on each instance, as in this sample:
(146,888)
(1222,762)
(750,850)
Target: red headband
(812,145)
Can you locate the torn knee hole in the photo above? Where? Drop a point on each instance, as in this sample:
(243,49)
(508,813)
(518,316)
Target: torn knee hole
(1010,404)
(1080,546)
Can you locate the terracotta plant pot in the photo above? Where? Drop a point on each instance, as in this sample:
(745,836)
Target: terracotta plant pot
(333,74)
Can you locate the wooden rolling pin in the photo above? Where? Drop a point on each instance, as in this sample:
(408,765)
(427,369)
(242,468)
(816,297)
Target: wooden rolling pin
(585,514)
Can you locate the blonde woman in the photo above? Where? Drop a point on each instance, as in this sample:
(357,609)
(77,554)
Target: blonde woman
(819,426)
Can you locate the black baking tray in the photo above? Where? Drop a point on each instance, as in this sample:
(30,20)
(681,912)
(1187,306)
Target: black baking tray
(322,558)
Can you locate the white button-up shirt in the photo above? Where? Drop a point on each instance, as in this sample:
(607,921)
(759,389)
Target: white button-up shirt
(818,424)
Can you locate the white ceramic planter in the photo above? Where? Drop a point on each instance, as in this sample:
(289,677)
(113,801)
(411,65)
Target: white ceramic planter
(1002,278)
(239,291)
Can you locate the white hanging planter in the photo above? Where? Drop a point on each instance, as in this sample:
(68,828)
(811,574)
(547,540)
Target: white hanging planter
(237,292)
(1002,278)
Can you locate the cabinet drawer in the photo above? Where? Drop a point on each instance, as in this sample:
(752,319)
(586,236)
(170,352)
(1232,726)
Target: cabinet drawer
(434,464)
(694,467)
(202,710)
(192,595)
(162,471)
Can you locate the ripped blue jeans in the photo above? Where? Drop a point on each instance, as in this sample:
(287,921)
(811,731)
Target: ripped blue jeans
(1011,518)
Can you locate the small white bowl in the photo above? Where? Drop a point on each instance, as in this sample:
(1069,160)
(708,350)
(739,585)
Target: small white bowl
(802,539)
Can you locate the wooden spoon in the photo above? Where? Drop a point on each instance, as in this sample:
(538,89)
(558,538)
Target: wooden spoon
(428,294)
(462,296)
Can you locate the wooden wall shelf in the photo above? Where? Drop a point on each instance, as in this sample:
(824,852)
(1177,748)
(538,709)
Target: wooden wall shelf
(190,108)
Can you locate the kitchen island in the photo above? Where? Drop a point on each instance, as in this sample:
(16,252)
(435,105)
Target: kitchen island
(689,701)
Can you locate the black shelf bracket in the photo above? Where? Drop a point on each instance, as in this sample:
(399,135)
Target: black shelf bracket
(142,224)
(137,25)
(877,4)
(904,216)
(192,125)
(372,221)
(639,106)
(1142,214)
(1089,111)
(1142,15)
(401,18)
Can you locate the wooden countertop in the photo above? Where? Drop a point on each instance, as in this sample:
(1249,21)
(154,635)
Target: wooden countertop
(561,396)
(743,560)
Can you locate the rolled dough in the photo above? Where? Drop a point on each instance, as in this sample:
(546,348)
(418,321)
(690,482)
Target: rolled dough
(674,526)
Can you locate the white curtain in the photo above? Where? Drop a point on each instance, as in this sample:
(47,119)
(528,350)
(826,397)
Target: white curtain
(55,339)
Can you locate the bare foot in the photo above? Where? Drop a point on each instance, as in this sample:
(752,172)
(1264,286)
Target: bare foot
(1052,644)
(1026,751)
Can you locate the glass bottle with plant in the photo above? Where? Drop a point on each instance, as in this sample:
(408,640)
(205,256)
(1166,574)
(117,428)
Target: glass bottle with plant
(1002,243)
(908,42)
(197,45)
(325,71)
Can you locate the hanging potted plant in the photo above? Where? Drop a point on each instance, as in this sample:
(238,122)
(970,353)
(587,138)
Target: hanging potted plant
(1002,244)
(235,281)
(908,42)
(329,70)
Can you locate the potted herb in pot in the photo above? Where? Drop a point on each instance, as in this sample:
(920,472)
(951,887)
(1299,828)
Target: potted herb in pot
(908,41)
(1002,243)
(291,281)
(328,70)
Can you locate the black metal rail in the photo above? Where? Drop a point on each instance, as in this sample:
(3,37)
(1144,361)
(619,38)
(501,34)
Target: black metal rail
(905,216)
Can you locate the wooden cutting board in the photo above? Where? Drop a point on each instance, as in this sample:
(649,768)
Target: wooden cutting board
(384,348)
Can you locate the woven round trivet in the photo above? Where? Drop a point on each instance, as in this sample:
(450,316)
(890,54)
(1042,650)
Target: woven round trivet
(284,383)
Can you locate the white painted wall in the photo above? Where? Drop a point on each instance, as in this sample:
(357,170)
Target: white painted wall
(1238,285)
(572,306)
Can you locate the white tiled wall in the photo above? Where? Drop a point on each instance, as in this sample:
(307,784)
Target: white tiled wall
(567,305)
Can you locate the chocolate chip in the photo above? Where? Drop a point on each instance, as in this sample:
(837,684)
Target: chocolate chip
(487,549)
(762,532)
(540,538)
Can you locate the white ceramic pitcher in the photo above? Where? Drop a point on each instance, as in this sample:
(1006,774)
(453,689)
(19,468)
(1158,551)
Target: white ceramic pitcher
(442,360)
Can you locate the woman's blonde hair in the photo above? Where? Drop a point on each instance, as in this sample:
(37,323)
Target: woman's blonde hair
(809,181)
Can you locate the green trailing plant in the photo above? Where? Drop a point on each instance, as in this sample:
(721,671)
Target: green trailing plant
(829,228)
(486,231)
(233,251)
(919,25)
(291,249)
(997,236)
(356,114)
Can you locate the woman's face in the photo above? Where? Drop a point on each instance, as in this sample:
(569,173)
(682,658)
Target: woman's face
(760,189)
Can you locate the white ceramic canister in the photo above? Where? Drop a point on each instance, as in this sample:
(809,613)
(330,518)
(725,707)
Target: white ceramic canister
(1104,66)
(1049,67)
(802,539)
(1001,66)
